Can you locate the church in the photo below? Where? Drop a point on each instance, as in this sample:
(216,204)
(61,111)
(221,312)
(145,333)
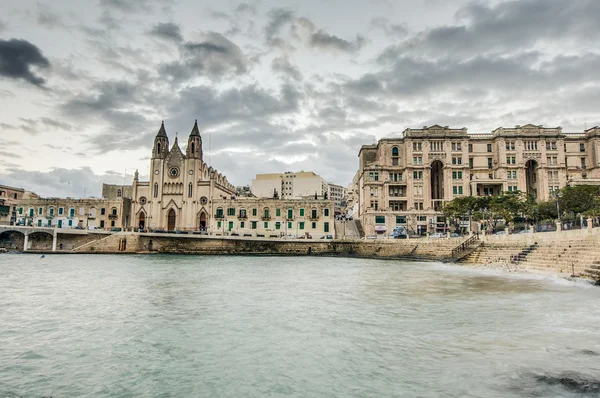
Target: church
(182,187)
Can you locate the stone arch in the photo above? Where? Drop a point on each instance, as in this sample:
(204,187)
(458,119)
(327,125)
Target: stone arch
(141,220)
(12,240)
(40,240)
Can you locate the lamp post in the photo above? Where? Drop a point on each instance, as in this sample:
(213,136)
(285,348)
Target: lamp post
(557,195)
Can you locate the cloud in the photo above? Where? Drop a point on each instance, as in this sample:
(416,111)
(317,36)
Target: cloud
(284,66)
(46,17)
(167,31)
(60,182)
(2,26)
(214,56)
(324,40)
(18,57)
(390,29)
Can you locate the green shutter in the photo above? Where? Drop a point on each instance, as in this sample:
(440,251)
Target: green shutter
(301,225)
(278,212)
(301,212)
(326,227)
(326,212)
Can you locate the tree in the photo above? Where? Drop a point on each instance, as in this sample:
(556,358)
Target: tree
(580,199)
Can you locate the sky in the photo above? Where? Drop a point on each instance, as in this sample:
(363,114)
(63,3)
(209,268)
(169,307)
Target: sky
(276,85)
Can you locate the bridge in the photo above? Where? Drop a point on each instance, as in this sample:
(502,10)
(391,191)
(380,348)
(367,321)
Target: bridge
(26,231)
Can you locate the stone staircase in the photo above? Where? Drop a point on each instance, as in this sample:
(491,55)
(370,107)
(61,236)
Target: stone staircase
(359,228)
(574,257)
(346,229)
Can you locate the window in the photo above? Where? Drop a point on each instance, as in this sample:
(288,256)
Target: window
(470,147)
(219,213)
(400,219)
(531,145)
(313,213)
(278,212)
(456,160)
(301,212)
(119,193)
(61,211)
(156,190)
(395,156)
(112,223)
(551,145)
(266,225)
(553,174)
(457,175)
(397,191)
(397,206)
(418,190)
(39,224)
(422,218)
(373,192)
(254,212)
(231,211)
(253,224)
(266,212)
(290,214)
(326,212)
(313,225)
(471,163)
(418,205)
(71,212)
(242,224)
(511,175)
(277,225)
(243,213)
(489,163)
(51,211)
(114,211)
(437,146)
(190,190)
(581,147)
(40,210)
(326,227)
(101,223)
(379,219)
(301,225)
(31,211)
(375,205)
(552,160)
(583,166)
(417,160)
(417,175)
(457,190)
(20,210)
(373,176)
(417,146)
(489,147)
(456,146)
(395,177)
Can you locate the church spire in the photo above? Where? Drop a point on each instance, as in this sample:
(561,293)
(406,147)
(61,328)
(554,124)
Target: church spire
(162,132)
(194,147)
(195,132)
(161,143)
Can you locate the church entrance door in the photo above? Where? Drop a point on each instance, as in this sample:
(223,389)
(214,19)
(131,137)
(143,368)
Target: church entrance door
(171,220)
(142,221)
(202,221)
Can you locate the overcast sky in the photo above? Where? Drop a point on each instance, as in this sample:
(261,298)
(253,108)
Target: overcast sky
(276,85)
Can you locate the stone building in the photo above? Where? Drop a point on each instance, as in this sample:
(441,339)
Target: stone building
(9,198)
(88,213)
(263,217)
(289,185)
(337,193)
(182,188)
(405,181)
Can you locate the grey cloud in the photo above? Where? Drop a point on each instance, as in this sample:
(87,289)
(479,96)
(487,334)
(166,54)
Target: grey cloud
(390,29)
(510,26)
(2,26)
(37,126)
(10,155)
(278,17)
(324,40)
(214,57)
(18,57)
(167,31)
(60,182)
(284,66)
(245,8)
(46,17)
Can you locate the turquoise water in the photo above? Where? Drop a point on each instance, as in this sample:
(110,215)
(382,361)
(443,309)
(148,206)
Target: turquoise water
(194,326)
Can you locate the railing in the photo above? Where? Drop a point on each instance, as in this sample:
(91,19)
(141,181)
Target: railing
(464,246)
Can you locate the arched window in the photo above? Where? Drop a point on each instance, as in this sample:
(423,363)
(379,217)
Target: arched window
(219,213)
(266,212)
(158,148)
(113,211)
(190,190)
(156,190)
(395,154)
(193,147)
(119,193)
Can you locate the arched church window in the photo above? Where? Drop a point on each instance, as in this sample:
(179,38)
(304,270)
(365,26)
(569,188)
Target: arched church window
(156,190)
(190,190)
(395,154)
(119,193)
(193,147)
(158,148)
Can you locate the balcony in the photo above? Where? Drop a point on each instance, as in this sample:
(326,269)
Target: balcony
(266,218)
(112,216)
(313,217)
(219,216)
(242,216)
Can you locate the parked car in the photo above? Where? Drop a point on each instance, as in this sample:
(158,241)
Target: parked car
(525,231)
(500,233)
(454,235)
(326,237)
(288,236)
(437,235)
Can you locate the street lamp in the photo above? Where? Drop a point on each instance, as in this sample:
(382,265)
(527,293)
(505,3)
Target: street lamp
(557,195)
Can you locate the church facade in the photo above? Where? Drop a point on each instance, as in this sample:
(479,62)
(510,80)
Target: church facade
(182,189)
